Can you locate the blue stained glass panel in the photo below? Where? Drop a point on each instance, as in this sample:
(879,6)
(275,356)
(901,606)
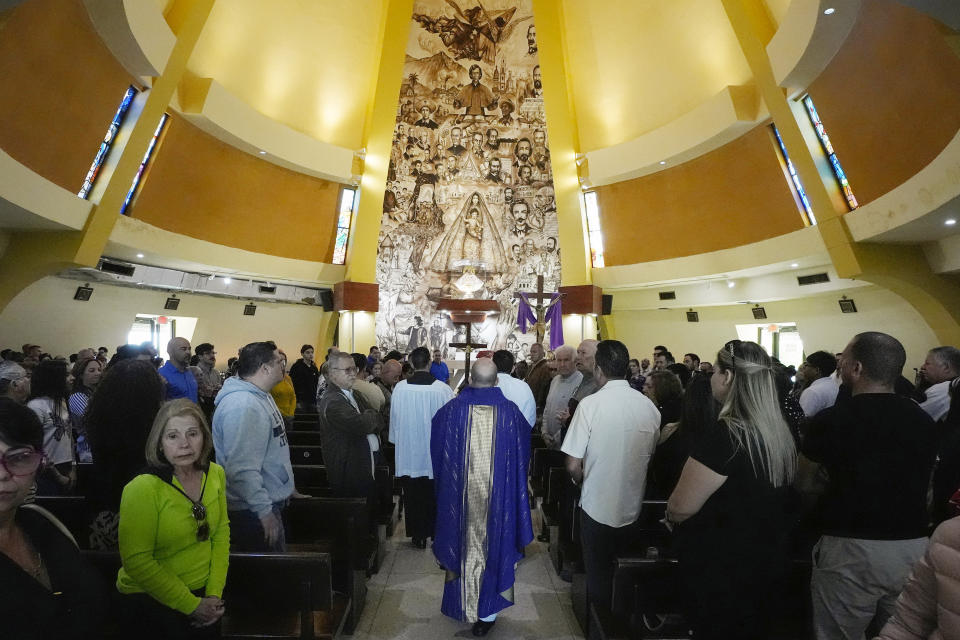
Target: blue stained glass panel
(143,164)
(108,139)
(831,154)
(340,246)
(794,177)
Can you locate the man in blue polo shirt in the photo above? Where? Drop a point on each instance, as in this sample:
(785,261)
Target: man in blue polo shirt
(181,383)
(439,368)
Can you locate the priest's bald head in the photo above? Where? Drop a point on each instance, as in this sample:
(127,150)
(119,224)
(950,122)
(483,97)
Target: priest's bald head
(483,373)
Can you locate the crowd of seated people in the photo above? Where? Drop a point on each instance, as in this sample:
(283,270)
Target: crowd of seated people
(737,441)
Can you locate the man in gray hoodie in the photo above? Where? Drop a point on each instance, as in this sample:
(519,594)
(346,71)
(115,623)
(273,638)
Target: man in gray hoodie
(251,445)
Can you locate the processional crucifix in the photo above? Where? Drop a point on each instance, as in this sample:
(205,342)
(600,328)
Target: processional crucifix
(466,312)
(539,308)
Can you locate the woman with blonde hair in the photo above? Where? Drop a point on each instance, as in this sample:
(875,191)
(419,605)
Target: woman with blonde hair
(730,503)
(174,533)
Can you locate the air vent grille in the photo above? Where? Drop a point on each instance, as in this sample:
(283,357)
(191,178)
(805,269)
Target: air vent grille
(268,289)
(813,278)
(668,295)
(116,268)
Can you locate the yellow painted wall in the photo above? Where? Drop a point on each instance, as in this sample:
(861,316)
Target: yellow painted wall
(45,313)
(684,50)
(818,319)
(306,64)
(59,89)
(890,99)
(729,197)
(206,189)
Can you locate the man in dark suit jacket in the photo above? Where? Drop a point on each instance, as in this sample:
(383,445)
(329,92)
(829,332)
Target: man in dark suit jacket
(348,432)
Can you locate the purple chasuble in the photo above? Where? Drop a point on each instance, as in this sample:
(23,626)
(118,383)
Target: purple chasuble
(480,450)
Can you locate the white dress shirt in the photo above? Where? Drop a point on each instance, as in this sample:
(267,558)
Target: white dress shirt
(937,404)
(820,395)
(519,392)
(615,432)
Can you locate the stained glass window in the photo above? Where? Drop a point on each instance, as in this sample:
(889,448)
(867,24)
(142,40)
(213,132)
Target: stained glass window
(794,177)
(107,143)
(143,164)
(831,154)
(594,234)
(347,199)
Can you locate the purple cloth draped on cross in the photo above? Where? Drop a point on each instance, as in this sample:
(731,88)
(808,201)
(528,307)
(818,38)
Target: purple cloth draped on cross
(554,316)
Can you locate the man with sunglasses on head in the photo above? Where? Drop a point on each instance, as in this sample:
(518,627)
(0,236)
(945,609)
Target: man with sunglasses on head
(14,382)
(251,444)
(348,432)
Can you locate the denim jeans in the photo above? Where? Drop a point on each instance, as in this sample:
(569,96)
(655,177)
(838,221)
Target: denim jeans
(246,531)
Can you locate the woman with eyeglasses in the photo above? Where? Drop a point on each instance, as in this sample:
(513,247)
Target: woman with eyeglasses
(174,533)
(730,504)
(48,590)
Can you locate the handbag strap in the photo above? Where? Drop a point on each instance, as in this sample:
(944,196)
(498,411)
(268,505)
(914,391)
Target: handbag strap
(53,520)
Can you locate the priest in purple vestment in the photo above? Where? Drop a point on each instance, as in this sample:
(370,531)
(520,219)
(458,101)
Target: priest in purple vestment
(480,449)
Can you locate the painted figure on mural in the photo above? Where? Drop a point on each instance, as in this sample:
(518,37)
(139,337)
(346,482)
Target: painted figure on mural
(469,175)
(475,98)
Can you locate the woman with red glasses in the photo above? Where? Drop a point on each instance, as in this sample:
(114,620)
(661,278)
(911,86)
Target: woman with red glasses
(48,590)
(174,533)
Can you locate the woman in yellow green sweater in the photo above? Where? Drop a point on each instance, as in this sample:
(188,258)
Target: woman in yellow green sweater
(174,532)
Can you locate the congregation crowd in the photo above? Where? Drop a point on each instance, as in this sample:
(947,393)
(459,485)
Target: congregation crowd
(844,458)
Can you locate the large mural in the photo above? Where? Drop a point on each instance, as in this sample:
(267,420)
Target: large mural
(470,186)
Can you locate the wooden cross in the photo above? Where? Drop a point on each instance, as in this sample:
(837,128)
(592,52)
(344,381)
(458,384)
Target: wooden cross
(539,308)
(468,346)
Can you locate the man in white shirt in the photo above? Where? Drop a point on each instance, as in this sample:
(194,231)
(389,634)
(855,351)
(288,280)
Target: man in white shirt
(412,405)
(821,393)
(514,389)
(941,366)
(609,444)
(562,388)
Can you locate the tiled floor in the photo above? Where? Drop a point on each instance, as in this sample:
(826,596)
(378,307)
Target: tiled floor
(404,599)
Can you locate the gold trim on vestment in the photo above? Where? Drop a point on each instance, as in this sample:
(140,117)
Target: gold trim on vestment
(478,467)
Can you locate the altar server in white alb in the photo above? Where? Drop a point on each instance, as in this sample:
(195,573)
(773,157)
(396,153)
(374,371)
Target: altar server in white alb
(413,404)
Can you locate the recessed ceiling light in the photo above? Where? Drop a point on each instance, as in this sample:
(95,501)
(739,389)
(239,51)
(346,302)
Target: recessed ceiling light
(227,280)
(950,222)
(663,162)
(828,11)
(139,255)
(731,284)
(794,265)
(263,153)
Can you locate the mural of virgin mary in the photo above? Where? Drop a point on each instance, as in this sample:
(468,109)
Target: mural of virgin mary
(472,237)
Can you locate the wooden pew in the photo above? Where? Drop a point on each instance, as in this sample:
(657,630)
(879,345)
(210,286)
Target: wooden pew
(85,473)
(297,437)
(341,527)
(306,454)
(268,595)
(312,480)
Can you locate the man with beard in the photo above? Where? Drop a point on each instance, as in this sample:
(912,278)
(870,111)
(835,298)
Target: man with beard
(493,175)
(476,146)
(508,196)
(493,141)
(541,155)
(475,97)
(531,40)
(522,151)
(536,90)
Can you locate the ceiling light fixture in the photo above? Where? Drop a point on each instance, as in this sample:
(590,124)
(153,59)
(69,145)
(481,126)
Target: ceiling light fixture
(731,284)
(227,280)
(139,255)
(211,277)
(663,162)
(794,265)
(579,158)
(262,152)
(950,222)
(828,11)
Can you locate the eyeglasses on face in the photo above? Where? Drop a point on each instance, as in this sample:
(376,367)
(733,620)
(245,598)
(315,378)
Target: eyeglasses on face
(347,370)
(21,462)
